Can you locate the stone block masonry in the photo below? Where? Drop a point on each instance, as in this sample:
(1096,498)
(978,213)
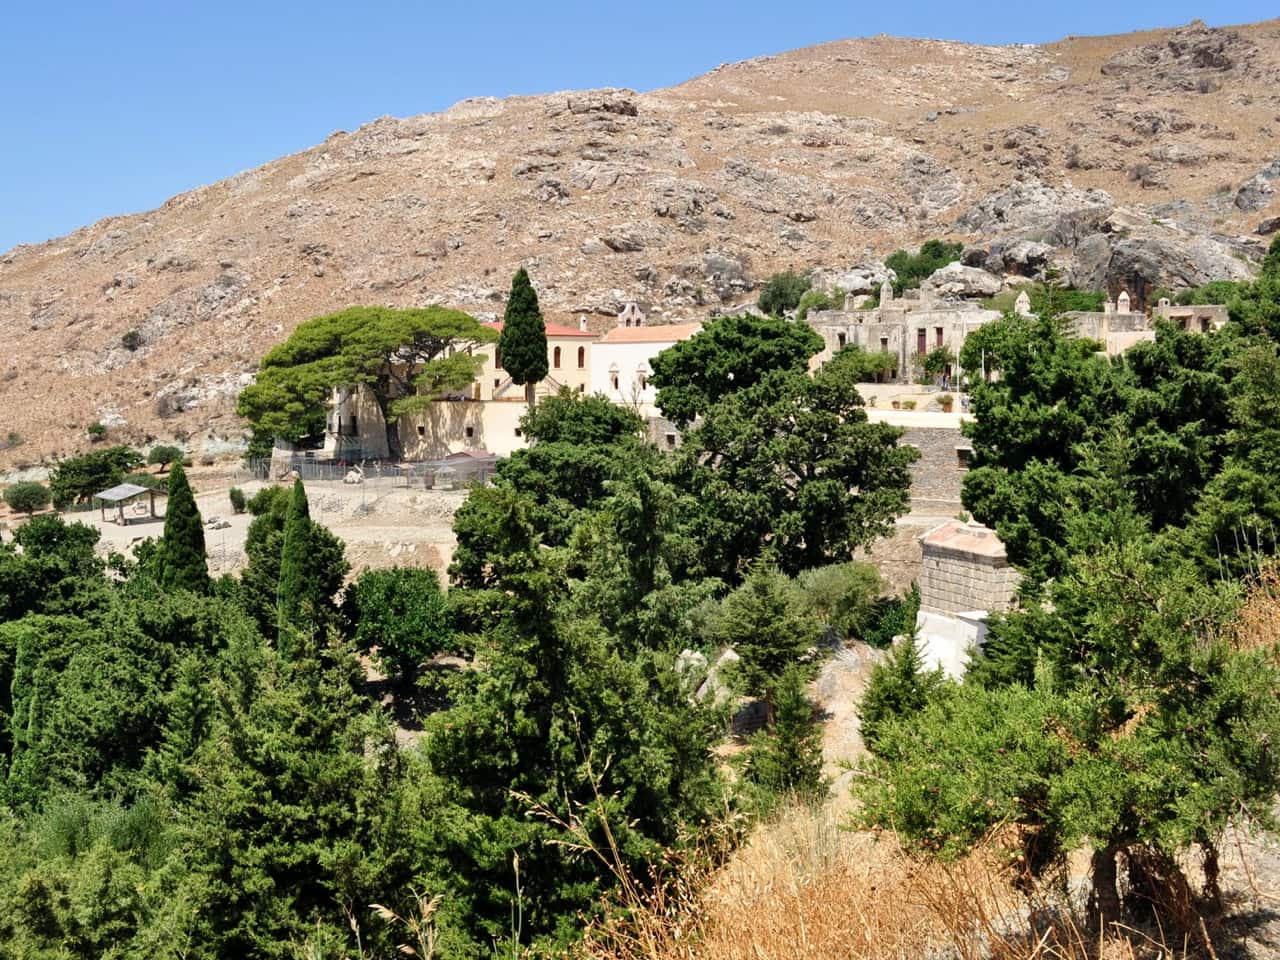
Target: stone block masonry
(936,476)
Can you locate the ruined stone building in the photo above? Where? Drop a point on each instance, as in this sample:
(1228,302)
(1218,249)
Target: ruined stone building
(903,328)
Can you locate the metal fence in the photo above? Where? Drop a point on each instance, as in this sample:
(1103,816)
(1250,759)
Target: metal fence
(429,474)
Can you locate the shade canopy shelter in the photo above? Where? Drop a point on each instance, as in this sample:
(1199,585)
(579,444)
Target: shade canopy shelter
(124,494)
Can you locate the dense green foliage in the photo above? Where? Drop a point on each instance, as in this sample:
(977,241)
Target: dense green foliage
(899,687)
(181,558)
(1127,705)
(78,478)
(729,354)
(1050,299)
(787,759)
(26,496)
(782,293)
(326,565)
(402,613)
(868,367)
(768,628)
(791,467)
(911,269)
(843,596)
(934,363)
(523,343)
(894,617)
(400,356)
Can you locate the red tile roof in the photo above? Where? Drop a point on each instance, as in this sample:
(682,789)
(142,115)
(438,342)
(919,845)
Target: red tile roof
(553,330)
(659,333)
(965,538)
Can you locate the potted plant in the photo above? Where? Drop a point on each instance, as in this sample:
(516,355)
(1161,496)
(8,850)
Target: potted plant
(908,404)
(946,401)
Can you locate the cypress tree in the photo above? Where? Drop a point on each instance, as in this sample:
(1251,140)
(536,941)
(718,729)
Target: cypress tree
(182,564)
(295,586)
(523,343)
(788,759)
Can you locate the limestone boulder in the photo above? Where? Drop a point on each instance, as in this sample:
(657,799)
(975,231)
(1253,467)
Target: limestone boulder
(1026,258)
(1174,262)
(1030,208)
(1258,191)
(859,279)
(957,281)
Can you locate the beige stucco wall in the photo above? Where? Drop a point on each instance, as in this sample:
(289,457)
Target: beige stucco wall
(495,384)
(440,429)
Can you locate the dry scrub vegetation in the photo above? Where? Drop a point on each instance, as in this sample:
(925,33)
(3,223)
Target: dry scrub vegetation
(804,886)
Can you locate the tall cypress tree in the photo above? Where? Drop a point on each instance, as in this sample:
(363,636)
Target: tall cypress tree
(523,343)
(182,563)
(295,587)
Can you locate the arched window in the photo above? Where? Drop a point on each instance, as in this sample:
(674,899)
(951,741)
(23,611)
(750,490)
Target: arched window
(555,358)
(582,357)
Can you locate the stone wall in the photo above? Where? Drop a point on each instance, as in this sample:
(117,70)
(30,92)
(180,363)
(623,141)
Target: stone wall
(951,583)
(936,476)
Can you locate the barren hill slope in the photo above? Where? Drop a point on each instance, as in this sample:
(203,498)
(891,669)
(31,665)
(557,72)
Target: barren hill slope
(1148,154)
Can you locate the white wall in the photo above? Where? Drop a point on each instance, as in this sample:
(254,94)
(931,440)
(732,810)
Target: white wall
(627,358)
(947,642)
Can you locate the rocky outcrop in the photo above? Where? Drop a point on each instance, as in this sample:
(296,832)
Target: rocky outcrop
(956,281)
(1031,208)
(1193,59)
(1024,258)
(860,279)
(1257,192)
(1105,262)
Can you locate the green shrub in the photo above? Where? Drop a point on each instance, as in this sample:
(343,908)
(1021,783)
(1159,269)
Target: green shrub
(148,480)
(163,455)
(819,300)
(782,292)
(899,687)
(787,759)
(868,367)
(1217,291)
(894,617)
(840,595)
(96,431)
(911,269)
(935,362)
(239,501)
(27,496)
(402,612)
(131,340)
(908,404)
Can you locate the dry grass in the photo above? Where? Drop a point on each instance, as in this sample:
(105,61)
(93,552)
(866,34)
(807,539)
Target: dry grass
(1258,623)
(804,887)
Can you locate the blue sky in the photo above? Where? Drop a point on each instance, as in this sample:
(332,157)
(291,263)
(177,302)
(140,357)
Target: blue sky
(112,106)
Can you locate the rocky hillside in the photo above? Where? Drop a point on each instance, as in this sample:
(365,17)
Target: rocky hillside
(1146,159)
